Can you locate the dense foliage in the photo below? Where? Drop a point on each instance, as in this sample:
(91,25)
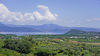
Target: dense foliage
(21,46)
(45,46)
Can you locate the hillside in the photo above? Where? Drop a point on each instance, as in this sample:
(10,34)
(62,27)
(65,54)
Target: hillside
(80,32)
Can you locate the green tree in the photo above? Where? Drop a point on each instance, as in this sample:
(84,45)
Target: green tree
(21,46)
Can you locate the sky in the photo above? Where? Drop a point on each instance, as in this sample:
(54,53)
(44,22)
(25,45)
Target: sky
(69,13)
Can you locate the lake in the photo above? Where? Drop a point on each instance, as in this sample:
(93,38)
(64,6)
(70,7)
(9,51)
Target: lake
(31,33)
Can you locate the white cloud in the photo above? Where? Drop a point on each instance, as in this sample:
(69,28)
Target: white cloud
(9,16)
(94,19)
(44,14)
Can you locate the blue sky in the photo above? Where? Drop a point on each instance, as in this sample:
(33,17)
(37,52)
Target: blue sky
(73,13)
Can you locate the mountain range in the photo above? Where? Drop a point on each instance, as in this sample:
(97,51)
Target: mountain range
(42,28)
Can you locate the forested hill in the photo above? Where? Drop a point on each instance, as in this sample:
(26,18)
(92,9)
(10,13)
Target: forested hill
(80,32)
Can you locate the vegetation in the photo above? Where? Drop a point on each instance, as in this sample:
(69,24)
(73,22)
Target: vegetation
(20,46)
(43,45)
(74,43)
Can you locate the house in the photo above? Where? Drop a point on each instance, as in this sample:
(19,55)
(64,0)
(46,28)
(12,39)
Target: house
(56,39)
(1,37)
(73,41)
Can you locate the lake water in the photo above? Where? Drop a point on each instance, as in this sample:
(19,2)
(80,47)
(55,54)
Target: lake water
(31,33)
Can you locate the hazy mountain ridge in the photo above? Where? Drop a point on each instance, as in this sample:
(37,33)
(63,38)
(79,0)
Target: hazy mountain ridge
(42,28)
(6,28)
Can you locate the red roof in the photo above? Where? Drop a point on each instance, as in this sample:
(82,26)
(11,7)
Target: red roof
(56,39)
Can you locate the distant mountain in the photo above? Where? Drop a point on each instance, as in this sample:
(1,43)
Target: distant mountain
(5,28)
(45,28)
(50,28)
(80,32)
